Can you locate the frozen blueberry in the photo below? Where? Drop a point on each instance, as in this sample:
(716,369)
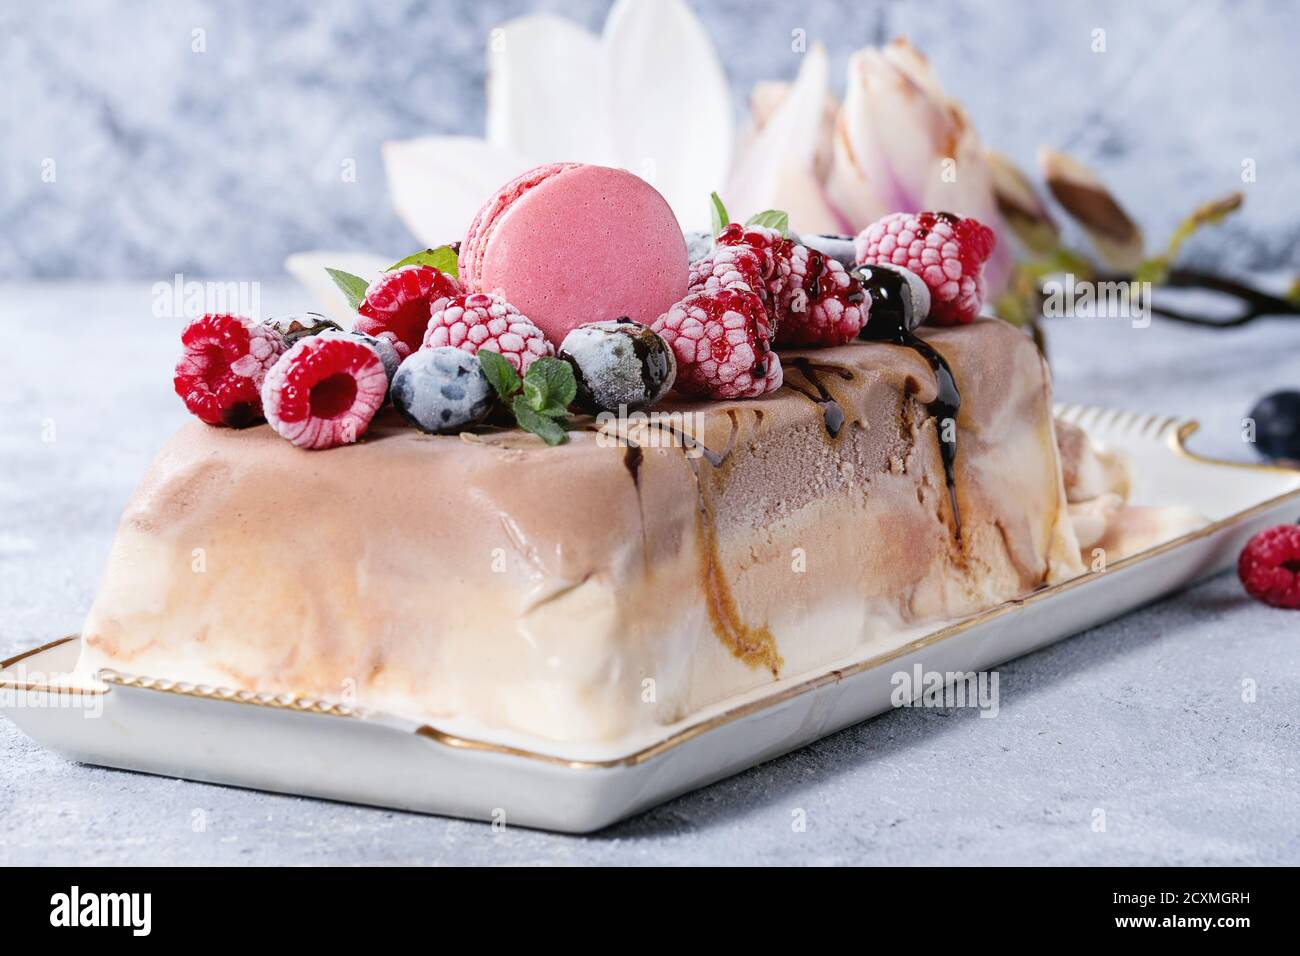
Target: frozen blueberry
(387,353)
(619,362)
(839,248)
(698,245)
(900,300)
(1277,425)
(442,390)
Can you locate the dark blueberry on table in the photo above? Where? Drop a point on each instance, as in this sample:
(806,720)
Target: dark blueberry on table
(1277,425)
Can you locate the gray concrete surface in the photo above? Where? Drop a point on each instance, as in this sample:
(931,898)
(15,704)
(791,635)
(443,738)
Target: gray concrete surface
(1142,718)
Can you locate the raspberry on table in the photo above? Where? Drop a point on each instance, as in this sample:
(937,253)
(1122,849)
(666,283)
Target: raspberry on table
(324,391)
(723,344)
(946,251)
(397,305)
(1269,566)
(223,363)
(826,305)
(486,320)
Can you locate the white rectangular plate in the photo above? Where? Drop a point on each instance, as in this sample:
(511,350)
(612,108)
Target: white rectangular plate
(323,749)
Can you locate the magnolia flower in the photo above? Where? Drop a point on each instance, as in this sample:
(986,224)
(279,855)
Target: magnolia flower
(898,144)
(787,156)
(648,95)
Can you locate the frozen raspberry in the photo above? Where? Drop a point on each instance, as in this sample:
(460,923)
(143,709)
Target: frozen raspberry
(1269,566)
(723,344)
(946,251)
(775,250)
(324,391)
(223,363)
(397,305)
(729,267)
(487,321)
(826,305)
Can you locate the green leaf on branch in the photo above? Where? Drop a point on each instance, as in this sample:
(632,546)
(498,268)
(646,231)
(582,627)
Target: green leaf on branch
(1156,269)
(1293,292)
(353,287)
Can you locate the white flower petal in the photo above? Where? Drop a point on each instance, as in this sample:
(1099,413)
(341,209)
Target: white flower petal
(541,91)
(664,103)
(778,169)
(846,185)
(437,183)
(309,269)
(890,129)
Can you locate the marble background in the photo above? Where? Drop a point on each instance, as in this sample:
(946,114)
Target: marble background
(222,162)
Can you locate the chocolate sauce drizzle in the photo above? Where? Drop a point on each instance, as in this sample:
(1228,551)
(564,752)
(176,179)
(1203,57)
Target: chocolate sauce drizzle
(755,646)
(632,457)
(832,414)
(943,410)
(889,324)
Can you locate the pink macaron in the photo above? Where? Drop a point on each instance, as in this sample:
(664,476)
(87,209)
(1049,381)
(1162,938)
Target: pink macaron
(568,244)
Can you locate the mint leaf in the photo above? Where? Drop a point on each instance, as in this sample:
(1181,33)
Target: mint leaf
(500,373)
(530,420)
(535,394)
(720,218)
(772,219)
(443,259)
(550,381)
(354,287)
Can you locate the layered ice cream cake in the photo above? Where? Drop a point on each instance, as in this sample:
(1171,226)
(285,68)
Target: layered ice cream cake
(684,481)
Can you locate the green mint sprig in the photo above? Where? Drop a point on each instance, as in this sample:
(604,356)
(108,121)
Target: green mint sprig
(443,258)
(772,219)
(540,400)
(354,287)
(719,212)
